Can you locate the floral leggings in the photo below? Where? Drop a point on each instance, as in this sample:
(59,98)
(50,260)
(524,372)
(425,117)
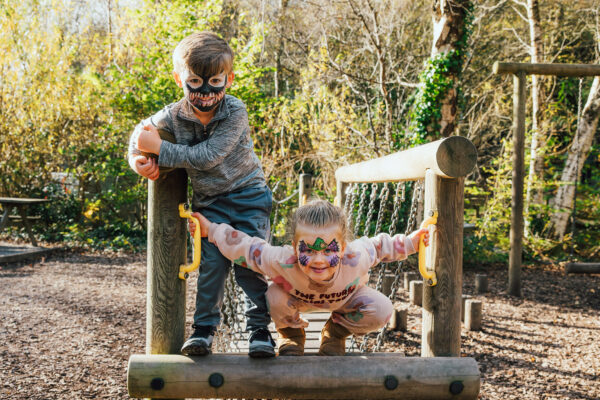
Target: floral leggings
(366,310)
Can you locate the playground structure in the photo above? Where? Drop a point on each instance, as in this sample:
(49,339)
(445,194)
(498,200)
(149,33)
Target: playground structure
(439,374)
(519,72)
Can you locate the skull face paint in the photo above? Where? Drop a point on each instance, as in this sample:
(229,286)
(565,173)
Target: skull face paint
(204,92)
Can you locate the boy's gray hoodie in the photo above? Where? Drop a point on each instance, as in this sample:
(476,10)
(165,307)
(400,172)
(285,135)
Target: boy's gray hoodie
(219,157)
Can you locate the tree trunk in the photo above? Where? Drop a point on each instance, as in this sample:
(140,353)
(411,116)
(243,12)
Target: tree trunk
(538,138)
(280,46)
(580,148)
(448,29)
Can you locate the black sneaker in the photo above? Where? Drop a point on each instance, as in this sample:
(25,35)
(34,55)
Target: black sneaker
(261,343)
(200,342)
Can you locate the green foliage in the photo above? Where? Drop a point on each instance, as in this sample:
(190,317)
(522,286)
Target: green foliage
(438,77)
(479,250)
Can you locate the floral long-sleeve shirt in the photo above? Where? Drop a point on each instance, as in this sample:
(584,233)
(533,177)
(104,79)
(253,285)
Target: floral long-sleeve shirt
(281,264)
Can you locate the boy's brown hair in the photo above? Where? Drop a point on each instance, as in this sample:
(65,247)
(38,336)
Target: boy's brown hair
(204,53)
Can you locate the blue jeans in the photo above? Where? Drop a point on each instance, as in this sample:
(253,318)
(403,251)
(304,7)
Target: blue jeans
(247,210)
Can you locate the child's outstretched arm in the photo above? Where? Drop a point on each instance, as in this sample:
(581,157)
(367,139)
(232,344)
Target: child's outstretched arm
(249,252)
(396,248)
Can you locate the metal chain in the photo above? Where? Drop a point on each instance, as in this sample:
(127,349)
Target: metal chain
(349,196)
(383,198)
(361,208)
(371,209)
(417,191)
(398,200)
(224,332)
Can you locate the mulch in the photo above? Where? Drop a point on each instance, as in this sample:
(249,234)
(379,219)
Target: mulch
(69,324)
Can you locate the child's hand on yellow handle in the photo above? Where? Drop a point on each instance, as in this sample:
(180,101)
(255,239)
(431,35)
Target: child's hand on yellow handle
(204,224)
(416,236)
(146,167)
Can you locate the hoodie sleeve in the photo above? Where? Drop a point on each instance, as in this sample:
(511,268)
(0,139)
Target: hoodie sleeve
(249,252)
(386,248)
(162,120)
(211,152)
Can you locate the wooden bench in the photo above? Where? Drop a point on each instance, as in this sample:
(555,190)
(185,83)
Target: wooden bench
(21,205)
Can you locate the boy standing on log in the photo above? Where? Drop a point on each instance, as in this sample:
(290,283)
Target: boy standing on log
(213,144)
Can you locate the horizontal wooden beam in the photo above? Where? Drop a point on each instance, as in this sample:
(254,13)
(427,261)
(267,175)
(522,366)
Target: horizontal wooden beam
(583,268)
(451,157)
(237,376)
(547,69)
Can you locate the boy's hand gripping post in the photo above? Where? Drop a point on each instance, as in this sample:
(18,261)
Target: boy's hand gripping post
(185,269)
(428,275)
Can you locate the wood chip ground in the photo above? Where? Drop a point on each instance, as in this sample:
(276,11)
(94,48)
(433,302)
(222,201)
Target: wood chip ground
(68,326)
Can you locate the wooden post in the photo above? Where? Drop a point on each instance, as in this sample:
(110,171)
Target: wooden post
(399,320)
(167,233)
(364,376)
(304,188)
(442,303)
(408,277)
(519,71)
(416,293)
(516,228)
(481,283)
(473,315)
(340,195)
(386,284)
(465,297)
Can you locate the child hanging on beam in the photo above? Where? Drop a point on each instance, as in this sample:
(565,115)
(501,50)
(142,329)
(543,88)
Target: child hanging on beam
(320,271)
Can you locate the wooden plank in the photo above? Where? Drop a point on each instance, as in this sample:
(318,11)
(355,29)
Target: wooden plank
(451,157)
(547,69)
(21,201)
(389,376)
(12,253)
(582,268)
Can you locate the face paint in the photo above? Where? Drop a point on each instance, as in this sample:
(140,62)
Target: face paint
(319,252)
(303,259)
(319,245)
(333,246)
(333,260)
(205,92)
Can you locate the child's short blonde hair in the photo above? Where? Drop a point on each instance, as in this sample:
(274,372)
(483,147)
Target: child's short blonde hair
(320,213)
(204,53)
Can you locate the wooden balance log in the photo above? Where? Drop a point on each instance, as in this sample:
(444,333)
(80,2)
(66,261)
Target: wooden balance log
(360,376)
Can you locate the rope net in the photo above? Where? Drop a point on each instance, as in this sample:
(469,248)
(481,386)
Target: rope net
(371,209)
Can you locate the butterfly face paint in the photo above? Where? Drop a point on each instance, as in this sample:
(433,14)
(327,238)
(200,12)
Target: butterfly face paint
(319,251)
(204,92)
(330,251)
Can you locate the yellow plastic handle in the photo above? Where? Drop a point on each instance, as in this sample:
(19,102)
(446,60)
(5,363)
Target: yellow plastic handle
(429,276)
(185,269)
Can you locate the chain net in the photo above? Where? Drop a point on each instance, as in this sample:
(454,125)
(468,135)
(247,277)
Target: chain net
(371,210)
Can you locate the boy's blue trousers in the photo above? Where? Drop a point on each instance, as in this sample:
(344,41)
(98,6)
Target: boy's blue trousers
(247,210)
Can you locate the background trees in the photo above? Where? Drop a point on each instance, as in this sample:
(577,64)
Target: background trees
(325,83)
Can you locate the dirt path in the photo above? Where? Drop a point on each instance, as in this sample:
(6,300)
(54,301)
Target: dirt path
(69,325)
